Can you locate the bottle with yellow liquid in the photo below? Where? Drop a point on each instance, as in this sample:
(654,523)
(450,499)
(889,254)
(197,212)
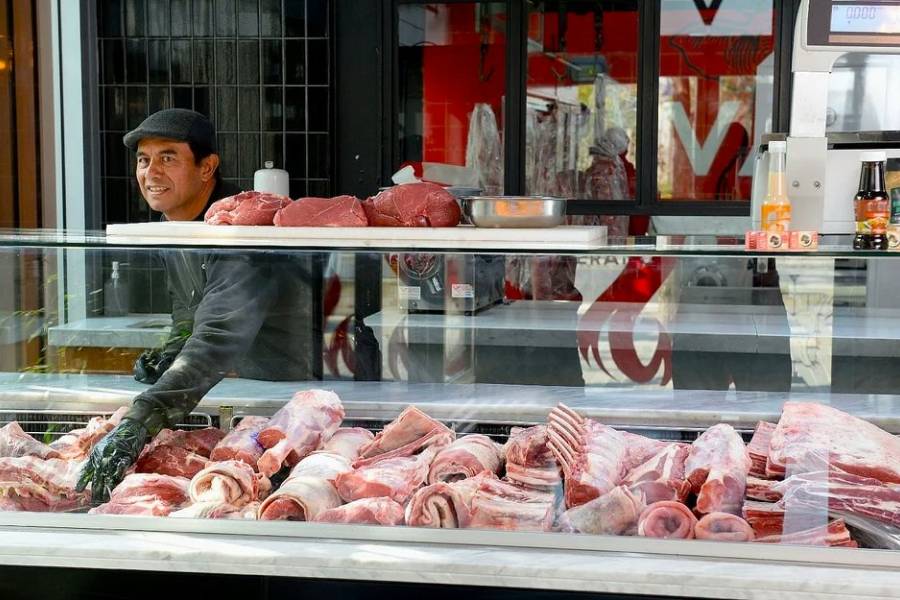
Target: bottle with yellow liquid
(776,209)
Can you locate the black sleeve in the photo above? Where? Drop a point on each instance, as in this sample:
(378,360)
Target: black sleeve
(238,294)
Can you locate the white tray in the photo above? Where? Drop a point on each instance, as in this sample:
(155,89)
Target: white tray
(467,237)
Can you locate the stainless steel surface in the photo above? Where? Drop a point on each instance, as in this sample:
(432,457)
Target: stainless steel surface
(515,211)
(47,425)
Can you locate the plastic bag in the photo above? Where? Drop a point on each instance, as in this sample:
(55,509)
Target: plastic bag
(484,150)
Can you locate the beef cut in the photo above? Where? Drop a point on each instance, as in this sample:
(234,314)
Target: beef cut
(179,453)
(413,205)
(766,518)
(241,442)
(723,527)
(466,457)
(592,455)
(839,492)
(78,443)
(348,441)
(396,478)
(40,485)
(246,208)
(365,511)
(763,490)
(406,435)
(614,513)
(758,448)
(298,428)
(529,461)
(834,533)
(147,494)
(341,211)
(667,519)
(15,443)
(717,469)
(811,436)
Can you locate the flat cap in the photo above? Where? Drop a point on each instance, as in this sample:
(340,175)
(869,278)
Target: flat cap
(178,124)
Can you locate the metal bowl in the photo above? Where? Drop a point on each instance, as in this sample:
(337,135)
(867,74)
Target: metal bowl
(515,211)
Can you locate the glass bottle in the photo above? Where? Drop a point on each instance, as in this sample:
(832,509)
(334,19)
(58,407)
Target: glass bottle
(872,204)
(776,208)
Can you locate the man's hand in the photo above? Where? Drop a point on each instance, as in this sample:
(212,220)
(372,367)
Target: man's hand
(151,364)
(110,458)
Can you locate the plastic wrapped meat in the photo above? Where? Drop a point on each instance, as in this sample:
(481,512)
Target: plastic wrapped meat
(246,208)
(614,513)
(77,444)
(365,511)
(15,443)
(758,448)
(241,443)
(146,494)
(40,485)
(341,211)
(348,442)
(413,205)
(406,435)
(667,520)
(466,457)
(723,527)
(298,428)
(396,478)
(717,469)
(835,533)
(592,455)
(762,489)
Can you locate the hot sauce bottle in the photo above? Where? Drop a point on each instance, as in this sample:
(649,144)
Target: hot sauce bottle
(776,208)
(872,204)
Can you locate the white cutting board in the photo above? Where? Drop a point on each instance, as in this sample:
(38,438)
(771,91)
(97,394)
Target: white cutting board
(462,237)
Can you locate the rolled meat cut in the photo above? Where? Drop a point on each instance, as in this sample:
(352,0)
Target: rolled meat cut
(723,527)
(246,208)
(308,491)
(365,511)
(340,211)
(229,482)
(241,442)
(298,428)
(413,205)
(466,457)
(442,505)
(717,469)
(613,513)
(348,441)
(667,519)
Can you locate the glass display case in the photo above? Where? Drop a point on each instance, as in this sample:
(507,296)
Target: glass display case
(639,407)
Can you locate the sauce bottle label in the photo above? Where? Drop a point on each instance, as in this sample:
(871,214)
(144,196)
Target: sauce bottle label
(776,218)
(872,216)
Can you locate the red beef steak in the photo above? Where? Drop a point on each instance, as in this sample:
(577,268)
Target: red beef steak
(341,211)
(413,205)
(246,208)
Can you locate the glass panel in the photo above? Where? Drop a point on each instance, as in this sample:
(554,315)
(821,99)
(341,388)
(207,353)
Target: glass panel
(248,18)
(270,18)
(439,115)
(114,108)
(295,62)
(226,109)
(135,18)
(317,18)
(272,109)
(248,61)
(136,61)
(295,109)
(228,154)
(317,62)
(159,61)
(272,63)
(204,59)
(715,97)
(862,92)
(249,156)
(273,149)
(319,159)
(181,18)
(581,104)
(295,155)
(295,19)
(203,17)
(158,18)
(225,62)
(159,98)
(248,108)
(137,105)
(318,109)
(109,15)
(113,61)
(182,97)
(181,61)
(226,17)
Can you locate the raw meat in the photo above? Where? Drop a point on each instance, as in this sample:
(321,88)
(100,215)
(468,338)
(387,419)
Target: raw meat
(77,444)
(229,482)
(758,448)
(42,485)
(246,208)
(146,494)
(723,527)
(762,489)
(640,449)
(717,469)
(396,478)
(834,533)
(298,428)
(842,492)
(15,443)
(366,511)
(466,457)
(498,504)
(662,476)
(413,205)
(348,441)
(529,460)
(667,520)
(766,518)
(341,211)
(214,510)
(810,436)
(240,443)
(309,490)
(592,455)
(613,513)
(406,435)
(179,453)
(444,505)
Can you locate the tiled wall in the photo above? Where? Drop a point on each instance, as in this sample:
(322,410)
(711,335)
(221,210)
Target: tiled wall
(258,68)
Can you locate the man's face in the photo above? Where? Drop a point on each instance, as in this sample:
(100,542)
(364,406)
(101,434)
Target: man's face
(170,180)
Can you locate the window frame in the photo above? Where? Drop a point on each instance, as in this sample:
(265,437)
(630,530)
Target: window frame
(649,20)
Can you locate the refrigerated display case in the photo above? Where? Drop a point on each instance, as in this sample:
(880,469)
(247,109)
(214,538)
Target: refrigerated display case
(650,375)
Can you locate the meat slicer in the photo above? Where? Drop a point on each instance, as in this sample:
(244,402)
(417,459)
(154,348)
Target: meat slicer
(449,283)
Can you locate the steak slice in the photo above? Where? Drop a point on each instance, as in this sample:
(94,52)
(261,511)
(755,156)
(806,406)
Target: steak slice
(341,211)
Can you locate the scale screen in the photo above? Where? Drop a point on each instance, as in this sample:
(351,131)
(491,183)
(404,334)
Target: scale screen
(869,23)
(865,18)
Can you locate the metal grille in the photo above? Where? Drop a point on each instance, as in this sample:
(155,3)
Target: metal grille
(47,426)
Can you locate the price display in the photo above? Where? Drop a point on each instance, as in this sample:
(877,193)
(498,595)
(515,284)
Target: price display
(865,18)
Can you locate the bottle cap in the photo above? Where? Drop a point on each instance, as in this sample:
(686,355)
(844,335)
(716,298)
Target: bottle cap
(778,146)
(269,164)
(874,156)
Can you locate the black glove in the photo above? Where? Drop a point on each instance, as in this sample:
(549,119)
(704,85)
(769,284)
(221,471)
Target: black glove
(150,365)
(110,458)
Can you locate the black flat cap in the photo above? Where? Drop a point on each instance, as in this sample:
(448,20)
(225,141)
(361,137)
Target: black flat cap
(178,124)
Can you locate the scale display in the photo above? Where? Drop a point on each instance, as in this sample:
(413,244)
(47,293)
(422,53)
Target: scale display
(865,18)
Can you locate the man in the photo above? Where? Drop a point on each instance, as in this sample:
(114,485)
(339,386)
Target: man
(231,311)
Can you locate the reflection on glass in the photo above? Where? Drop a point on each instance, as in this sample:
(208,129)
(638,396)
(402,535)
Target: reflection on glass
(450,128)
(581,100)
(862,93)
(715,97)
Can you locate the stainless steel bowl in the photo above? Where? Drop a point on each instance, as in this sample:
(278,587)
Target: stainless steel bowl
(515,211)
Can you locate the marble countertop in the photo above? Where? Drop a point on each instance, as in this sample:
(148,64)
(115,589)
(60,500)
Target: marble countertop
(130,331)
(485,403)
(450,564)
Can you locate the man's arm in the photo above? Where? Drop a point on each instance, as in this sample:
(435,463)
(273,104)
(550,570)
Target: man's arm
(239,292)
